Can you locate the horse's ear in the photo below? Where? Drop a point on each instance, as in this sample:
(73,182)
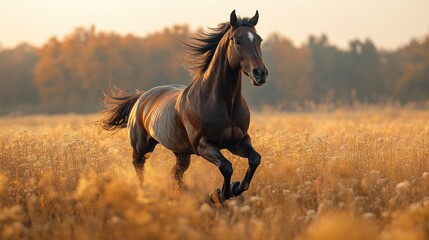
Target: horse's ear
(254,19)
(233,19)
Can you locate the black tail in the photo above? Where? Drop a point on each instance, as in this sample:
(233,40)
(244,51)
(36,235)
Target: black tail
(117,107)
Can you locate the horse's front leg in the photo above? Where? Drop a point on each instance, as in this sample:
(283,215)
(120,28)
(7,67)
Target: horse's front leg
(213,155)
(245,149)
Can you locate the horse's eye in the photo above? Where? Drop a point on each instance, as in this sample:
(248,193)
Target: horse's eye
(238,42)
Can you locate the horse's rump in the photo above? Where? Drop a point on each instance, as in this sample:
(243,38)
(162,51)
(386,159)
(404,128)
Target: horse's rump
(155,112)
(117,108)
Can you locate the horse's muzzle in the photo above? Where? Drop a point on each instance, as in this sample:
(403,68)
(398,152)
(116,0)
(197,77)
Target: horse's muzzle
(259,76)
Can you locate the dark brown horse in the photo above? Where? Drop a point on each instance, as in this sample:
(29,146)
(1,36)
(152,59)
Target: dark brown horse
(208,115)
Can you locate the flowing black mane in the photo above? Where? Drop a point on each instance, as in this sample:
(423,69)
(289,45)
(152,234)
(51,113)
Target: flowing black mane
(202,47)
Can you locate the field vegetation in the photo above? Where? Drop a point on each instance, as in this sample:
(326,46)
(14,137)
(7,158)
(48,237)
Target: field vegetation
(361,174)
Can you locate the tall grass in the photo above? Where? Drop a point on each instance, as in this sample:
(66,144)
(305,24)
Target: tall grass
(339,175)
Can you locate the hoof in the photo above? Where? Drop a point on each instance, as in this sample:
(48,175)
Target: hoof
(214,197)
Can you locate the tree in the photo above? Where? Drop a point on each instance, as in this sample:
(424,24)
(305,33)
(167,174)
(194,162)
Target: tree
(324,58)
(291,69)
(16,77)
(413,82)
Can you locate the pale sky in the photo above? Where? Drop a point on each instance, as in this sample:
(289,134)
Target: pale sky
(389,23)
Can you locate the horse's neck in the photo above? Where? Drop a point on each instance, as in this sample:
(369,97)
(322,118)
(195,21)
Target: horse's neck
(222,82)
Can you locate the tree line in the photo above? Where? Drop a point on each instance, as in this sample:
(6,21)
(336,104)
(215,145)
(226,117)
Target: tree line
(69,75)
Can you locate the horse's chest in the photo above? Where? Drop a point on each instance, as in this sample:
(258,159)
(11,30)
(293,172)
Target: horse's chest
(224,130)
(224,136)
(232,134)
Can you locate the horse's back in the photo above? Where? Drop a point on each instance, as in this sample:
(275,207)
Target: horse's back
(155,112)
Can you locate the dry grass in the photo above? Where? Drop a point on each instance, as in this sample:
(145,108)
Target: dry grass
(340,175)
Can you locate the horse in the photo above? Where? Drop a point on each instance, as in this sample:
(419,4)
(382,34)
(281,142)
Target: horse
(204,117)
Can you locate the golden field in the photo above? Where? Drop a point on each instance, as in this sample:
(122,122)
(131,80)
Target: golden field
(360,174)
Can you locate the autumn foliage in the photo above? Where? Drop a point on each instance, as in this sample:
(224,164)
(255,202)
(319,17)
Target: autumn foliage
(69,74)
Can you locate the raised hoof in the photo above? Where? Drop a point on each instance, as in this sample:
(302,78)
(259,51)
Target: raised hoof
(214,197)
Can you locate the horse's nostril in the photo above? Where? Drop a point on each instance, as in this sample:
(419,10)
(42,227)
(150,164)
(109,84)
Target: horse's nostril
(257,73)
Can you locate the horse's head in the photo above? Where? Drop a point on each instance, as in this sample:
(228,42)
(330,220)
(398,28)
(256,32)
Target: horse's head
(244,51)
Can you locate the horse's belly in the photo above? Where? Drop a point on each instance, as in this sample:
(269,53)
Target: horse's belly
(163,127)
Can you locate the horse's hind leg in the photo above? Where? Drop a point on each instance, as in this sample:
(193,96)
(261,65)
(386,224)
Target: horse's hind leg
(142,145)
(138,162)
(182,164)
